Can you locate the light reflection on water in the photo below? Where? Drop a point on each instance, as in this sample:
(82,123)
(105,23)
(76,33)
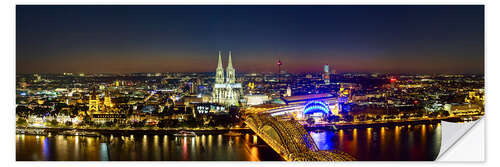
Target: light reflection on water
(144,147)
(418,142)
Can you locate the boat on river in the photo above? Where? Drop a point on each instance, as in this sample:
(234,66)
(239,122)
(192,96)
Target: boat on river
(80,133)
(185,134)
(231,133)
(39,132)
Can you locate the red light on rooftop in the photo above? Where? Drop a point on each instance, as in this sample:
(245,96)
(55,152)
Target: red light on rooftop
(393,79)
(415,102)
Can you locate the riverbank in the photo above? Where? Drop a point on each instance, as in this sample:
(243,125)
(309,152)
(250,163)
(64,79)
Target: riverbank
(386,123)
(218,130)
(128,131)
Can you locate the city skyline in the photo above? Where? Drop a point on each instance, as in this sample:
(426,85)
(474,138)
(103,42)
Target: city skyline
(128,39)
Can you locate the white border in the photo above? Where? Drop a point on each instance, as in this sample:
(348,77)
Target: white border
(7,48)
(227,2)
(468,148)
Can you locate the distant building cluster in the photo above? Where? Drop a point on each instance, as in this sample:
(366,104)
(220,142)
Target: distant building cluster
(207,100)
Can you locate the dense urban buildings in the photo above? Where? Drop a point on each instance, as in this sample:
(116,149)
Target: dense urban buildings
(225,101)
(202,99)
(306,83)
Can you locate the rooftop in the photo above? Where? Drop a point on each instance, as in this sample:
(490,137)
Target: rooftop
(291,99)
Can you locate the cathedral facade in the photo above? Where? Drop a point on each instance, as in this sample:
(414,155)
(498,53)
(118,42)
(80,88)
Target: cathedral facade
(226,91)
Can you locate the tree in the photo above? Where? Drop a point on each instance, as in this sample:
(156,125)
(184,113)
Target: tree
(68,123)
(137,124)
(22,111)
(444,113)
(53,122)
(109,124)
(39,111)
(21,122)
(87,120)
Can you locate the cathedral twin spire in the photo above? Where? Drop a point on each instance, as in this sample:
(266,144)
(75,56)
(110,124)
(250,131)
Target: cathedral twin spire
(230,72)
(219,75)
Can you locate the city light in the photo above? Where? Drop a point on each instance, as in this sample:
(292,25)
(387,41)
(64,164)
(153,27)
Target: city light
(218,89)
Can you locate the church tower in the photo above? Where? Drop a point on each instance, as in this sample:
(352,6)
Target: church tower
(93,101)
(226,91)
(230,71)
(219,73)
(107,100)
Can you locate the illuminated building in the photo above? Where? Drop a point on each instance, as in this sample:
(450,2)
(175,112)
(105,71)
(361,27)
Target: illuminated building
(226,91)
(251,87)
(93,102)
(344,94)
(192,87)
(463,109)
(317,110)
(107,100)
(298,106)
(207,108)
(326,75)
(475,97)
(256,99)
(102,112)
(38,77)
(288,91)
(219,72)
(231,77)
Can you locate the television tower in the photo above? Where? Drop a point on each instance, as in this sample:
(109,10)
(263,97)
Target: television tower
(279,70)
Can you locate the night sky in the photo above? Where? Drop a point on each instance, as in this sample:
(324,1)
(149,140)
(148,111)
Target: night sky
(125,39)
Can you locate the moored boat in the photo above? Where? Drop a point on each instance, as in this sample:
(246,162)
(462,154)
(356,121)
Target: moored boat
(185,134)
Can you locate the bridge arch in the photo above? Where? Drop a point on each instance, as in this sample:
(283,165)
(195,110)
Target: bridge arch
(290,139)
(317,108)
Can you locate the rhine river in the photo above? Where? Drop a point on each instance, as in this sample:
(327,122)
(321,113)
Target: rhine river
(408,142)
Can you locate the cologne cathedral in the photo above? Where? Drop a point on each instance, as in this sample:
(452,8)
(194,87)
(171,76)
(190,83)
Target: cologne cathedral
(226,91)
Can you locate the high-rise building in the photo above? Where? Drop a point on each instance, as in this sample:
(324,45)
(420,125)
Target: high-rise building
(326,74)
(288,91)
(226,91)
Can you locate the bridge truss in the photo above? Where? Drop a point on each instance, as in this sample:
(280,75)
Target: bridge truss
(289,139)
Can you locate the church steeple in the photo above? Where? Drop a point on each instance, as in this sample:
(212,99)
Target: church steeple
(225,90)
(219,65)
(230,63)
(230,71)
(219,73)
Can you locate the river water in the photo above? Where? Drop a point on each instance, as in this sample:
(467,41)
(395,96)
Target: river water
(401,143)
(415,142)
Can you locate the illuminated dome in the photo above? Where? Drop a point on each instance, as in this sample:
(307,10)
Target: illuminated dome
(315,107)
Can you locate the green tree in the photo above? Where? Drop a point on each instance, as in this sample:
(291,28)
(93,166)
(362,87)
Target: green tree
(21,122)
(68,123)
(53,122)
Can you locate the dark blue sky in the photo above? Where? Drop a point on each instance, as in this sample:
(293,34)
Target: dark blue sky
(422,39)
